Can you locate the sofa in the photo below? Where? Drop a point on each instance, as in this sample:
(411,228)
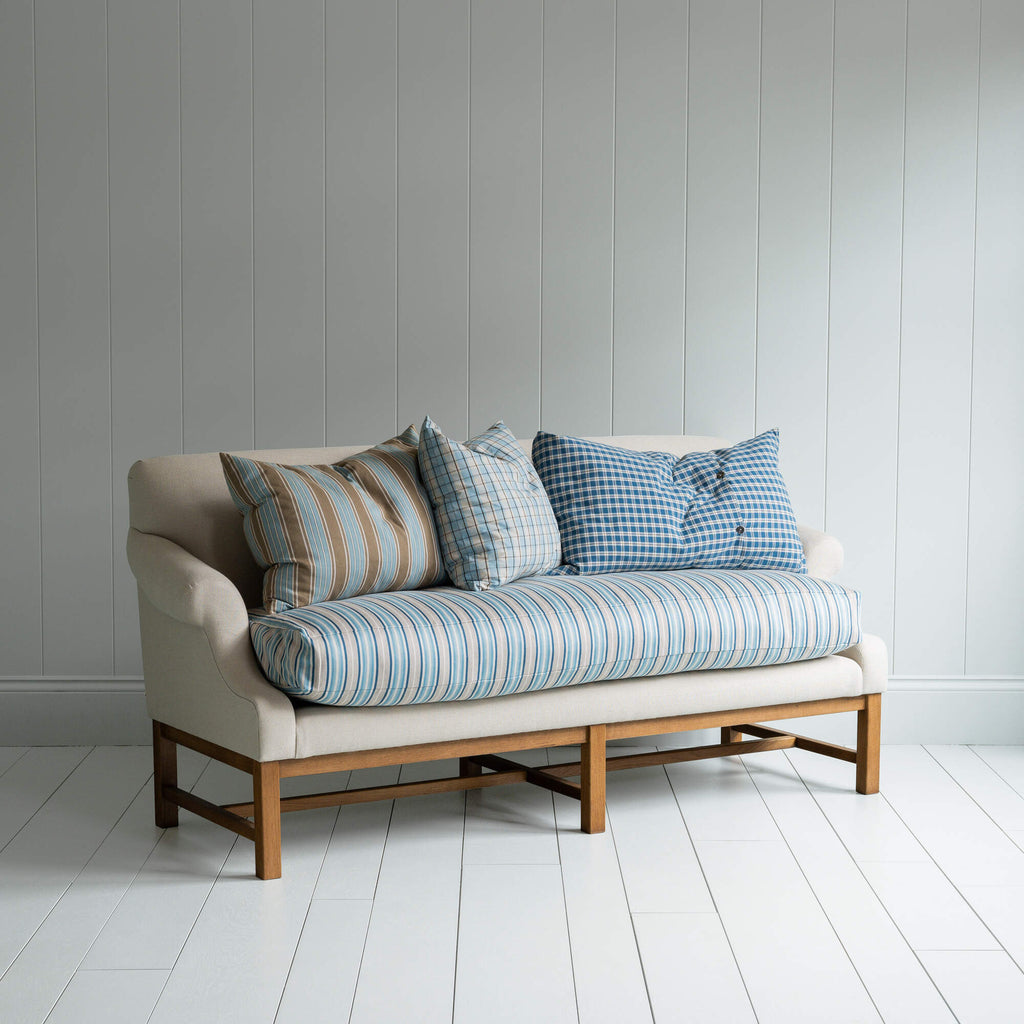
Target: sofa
(206,690)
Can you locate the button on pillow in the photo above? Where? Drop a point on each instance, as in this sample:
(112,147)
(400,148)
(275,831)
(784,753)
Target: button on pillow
(741,516)
(493,516)
(361,526)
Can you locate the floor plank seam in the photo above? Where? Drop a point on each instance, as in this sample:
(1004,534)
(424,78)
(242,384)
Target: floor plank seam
(48,797)
(814,891)
(974,748)
(867,880)
(629,910)
(206,899)
(714,902)
(458,912)
(970,796)
(70,884)
(941,870)
(15,761)
(305,916)
(373,908)
(565,899)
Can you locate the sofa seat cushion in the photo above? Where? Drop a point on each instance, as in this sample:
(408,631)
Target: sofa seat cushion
(443,644)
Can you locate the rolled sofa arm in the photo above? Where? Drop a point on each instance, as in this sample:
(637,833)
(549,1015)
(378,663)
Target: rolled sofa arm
(870,654)
(201,673)
(822,552)
(182,586)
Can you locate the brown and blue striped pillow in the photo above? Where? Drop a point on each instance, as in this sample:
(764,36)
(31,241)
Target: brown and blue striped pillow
(361,526)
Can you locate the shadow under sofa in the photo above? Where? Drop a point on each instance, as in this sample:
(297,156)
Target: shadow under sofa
(206,690)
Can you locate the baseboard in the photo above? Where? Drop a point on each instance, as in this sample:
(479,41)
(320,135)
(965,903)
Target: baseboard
(89,710)
(73,711)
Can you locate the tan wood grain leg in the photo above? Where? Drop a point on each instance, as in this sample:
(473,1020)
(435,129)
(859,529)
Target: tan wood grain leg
(469,769)
(266,790)
(592,780)
(869,735)
(165,773)
(730,735)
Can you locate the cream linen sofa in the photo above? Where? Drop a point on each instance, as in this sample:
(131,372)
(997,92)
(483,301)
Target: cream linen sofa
(205,689)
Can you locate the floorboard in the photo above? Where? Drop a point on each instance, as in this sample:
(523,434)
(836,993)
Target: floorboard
(354,853)
(322,980)
(1006,762)
(996,797)
(962,839)
(512,927)
(751,889)
(718,800)
(606,963)
(51,957)
(234,964)
(9,755)
(415,918)
(47,855)
(887,966)
(927,909)
(788,953)
(703,986)
(656,855)
(28,783)
(982,987)
(108,997)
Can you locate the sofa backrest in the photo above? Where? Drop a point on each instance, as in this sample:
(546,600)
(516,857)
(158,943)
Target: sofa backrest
(185,499)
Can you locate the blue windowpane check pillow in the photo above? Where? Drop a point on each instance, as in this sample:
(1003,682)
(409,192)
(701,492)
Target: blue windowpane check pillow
(621,511)
(494,519)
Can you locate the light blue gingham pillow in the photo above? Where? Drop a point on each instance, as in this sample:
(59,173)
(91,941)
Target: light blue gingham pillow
(494,519)
(621,511)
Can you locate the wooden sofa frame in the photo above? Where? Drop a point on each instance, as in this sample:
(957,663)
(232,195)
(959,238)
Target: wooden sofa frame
(260,820)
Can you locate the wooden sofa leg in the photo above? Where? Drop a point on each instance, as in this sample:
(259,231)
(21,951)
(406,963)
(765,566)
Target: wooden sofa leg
(266,790)
(869,734)
(730,735)
(592,779)
(165,773)
(469,769)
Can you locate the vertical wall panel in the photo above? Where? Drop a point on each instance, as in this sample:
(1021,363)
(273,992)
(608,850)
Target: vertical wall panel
(721,217)
(433,213)
(505,200)
(864,297)
(288,222)
(145,262)
(362,98)
(21,620)
(216,224)
(650,193)
(935,354)
(793,229)
(74,336)
(579,140)
(995,583)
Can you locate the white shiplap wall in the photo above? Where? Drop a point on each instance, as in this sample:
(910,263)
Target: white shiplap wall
(246,223)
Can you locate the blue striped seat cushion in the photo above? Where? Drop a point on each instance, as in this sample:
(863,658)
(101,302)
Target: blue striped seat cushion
(414,647)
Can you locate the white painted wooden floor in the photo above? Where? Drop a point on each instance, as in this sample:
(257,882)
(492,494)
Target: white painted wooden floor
(761,889)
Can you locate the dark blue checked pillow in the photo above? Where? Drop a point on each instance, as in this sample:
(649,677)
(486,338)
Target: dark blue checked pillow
(621,511)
